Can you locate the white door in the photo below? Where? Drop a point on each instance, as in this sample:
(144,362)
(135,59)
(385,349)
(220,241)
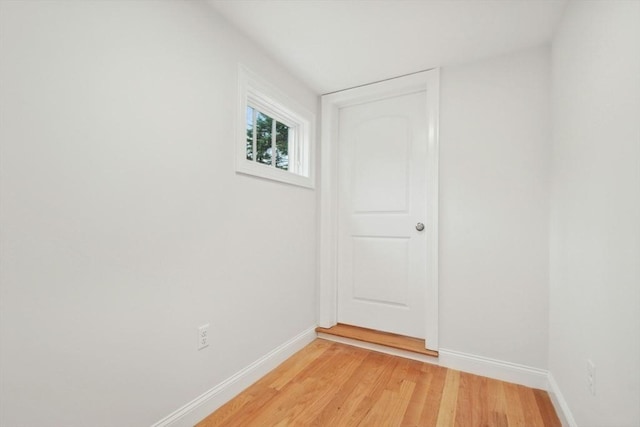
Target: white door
(382,206)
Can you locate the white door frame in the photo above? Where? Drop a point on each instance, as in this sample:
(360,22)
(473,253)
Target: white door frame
(331,104)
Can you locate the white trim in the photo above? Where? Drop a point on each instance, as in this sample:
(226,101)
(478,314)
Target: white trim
(266,98)
(433,208)
(209,401)
(494,368)
(478,365)
(560,404)
(331,104)
(328,221)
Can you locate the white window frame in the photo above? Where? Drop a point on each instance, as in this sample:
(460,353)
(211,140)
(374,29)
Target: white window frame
(265,98)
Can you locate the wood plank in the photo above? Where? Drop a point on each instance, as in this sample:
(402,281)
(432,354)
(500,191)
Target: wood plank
(254,406)
(496,404)
(227,411)
(548,413)
(293,366)
(471,404)
(401,342)
(348,398)
(372,394)
(324,396)
(302,390)
(433,400)
(425,401)
(513,405)
(402,402)
(449,401)
(411,417)
(530,407)
(394,399)
(333,384)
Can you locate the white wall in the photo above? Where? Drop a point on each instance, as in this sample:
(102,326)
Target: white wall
(494,141)
(595,205)
(124,226)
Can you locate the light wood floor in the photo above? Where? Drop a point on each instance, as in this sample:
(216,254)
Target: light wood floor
(335,385)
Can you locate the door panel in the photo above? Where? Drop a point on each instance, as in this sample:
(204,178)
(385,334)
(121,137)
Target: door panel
(378,261)
(382,195)
(381,175)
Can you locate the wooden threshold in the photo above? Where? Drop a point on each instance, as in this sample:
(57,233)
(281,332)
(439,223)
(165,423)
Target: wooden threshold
(414,345)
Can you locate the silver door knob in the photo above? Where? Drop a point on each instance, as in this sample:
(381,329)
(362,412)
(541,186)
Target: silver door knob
(419,226)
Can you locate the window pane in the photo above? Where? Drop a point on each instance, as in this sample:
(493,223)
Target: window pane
(249,122)
(282,146)
(264,125)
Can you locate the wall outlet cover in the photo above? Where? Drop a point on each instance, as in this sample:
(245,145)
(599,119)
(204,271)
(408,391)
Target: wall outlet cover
(203,336)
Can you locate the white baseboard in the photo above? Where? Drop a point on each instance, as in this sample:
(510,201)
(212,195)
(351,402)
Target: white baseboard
(492,368)
(484,366)
(511,372)
(209,401)
(560,404)
(478,365)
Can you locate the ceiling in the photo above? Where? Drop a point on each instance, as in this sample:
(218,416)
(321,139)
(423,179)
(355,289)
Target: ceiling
(337,44)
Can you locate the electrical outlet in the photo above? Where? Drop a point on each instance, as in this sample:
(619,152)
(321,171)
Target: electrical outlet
(203,336)
(591,376)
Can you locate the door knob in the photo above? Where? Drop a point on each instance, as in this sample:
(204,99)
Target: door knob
(419,226)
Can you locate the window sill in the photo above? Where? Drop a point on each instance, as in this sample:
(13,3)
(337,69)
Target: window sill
(247,167)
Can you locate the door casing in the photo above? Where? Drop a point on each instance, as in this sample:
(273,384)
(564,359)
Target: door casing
(328,241)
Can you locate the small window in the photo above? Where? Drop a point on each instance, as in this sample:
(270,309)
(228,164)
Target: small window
(276,134)
(266,136)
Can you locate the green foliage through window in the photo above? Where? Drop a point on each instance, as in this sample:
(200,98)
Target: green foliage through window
(267,140)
